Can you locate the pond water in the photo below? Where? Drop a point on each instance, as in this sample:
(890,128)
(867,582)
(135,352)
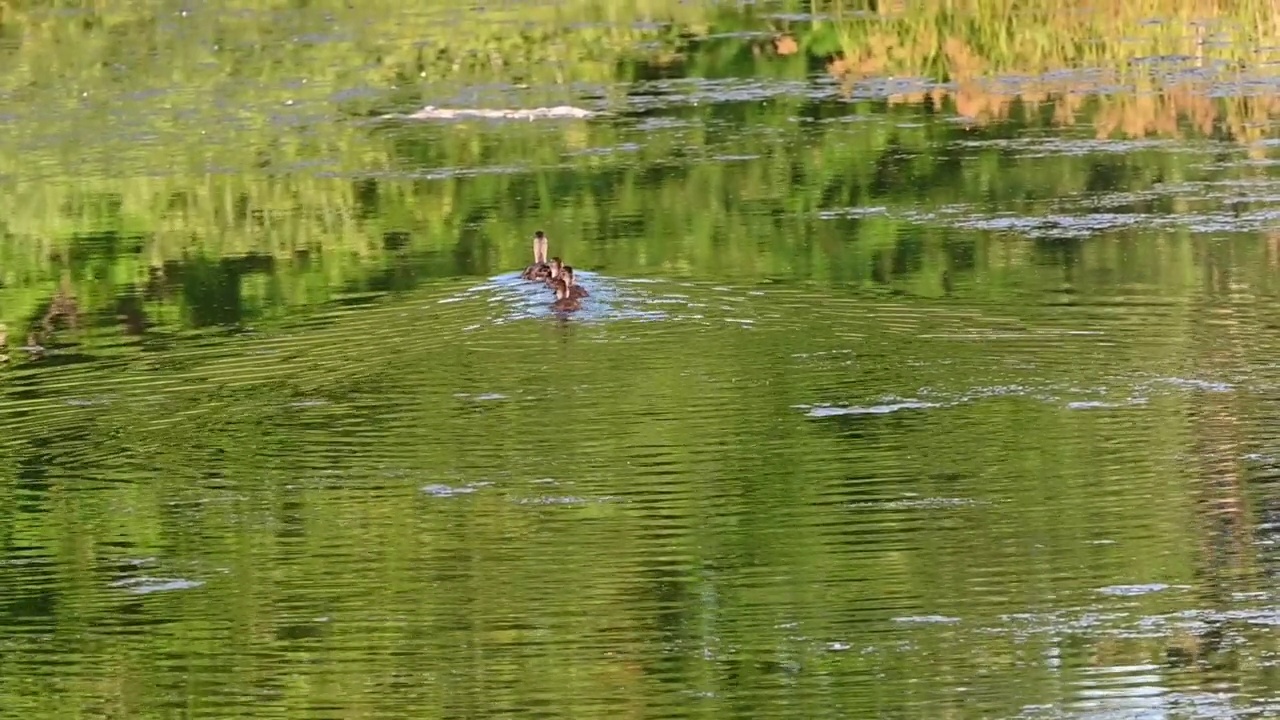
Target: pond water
(880,406)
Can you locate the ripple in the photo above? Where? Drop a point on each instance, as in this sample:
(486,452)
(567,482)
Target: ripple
(441,490)
(883,409)
(148,585)
(932,503)
(558,112)
(611,300)
(1126,590)
(868,458)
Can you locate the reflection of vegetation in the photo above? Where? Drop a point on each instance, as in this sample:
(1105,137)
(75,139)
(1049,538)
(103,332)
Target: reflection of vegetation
(999,59)
(170,177)
(327,41)
(972,38)
(316,236)
(86,198)
(100,209)
(283,470)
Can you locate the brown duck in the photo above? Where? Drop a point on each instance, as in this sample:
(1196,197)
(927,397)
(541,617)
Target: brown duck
(564,301)
(556,273)
(540,269)
(575,291)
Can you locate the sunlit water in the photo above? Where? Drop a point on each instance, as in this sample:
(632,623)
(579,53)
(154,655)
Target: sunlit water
(889,446)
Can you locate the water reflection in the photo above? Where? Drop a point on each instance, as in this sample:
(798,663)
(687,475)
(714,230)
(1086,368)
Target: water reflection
(869,411)
(936,529)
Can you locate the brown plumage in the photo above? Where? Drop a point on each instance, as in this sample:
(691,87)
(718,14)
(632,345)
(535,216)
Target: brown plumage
(575,291)
(540,269)
(556,268)
(564,302)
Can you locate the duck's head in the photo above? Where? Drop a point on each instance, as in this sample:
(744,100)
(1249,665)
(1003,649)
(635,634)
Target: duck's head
(556,267)
(539,246)
(567,273)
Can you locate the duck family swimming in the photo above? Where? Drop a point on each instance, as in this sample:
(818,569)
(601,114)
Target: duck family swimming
(558,276)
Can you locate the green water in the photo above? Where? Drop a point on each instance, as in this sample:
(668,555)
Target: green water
(870,413)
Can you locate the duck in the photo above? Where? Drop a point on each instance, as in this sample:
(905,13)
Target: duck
(564,301)
(575,291)
(540,269)
(555,272)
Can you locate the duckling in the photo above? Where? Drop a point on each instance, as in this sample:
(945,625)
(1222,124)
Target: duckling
(575,291)
(539,270)
(555,272)
(564,303)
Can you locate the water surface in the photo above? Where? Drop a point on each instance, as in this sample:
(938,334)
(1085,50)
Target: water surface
(878,408)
